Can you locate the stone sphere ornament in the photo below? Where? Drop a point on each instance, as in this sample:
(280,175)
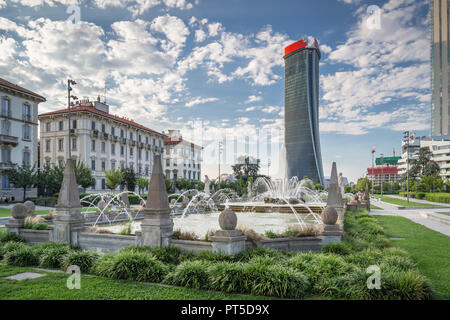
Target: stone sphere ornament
(30,207)
(227,219)
(101,205)
(19,211)
(329,215)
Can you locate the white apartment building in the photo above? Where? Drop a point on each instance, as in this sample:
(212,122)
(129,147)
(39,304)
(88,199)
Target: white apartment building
(18,136)
(182,159)
(438,145)
(99,139)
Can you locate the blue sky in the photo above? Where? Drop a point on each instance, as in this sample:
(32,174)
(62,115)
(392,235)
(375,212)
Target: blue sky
(172,63)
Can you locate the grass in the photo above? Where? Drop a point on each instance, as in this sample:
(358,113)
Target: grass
(404,203)
(375,207)
(6,212)
(53,286)
(428,248)
(446,213)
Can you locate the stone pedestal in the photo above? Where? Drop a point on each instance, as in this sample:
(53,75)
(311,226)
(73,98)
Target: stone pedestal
(18,215)
(228,241)
(331,233)
(14,225)
(156,229)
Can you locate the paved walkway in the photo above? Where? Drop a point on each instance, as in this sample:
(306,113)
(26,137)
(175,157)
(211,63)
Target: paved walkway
(413,215)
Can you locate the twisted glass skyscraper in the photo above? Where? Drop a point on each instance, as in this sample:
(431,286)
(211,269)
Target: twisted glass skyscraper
(301,110)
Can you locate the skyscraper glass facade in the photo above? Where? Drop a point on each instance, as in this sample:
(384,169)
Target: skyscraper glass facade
(301,108)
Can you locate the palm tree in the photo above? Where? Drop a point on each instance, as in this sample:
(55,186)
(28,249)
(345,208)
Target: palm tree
(113,178)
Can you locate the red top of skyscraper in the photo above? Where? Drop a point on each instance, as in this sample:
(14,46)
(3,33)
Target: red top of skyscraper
(295,46)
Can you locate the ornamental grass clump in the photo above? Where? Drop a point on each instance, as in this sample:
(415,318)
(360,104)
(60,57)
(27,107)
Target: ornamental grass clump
(52,257)
(339,248)
(190,274)
(23,256)
(9,237)
(85,260)
(138,266)
(249,254)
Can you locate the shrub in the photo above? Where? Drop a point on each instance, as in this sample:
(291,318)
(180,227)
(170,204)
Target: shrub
(52,257)
(11,246)
(339,248)
(184,235)
(270,234)
(259,279)
(40,226)
(22,257)
(30,222)
(399,263)
(190,274)
(364,258)
(420,195)
(438,197)
(39,249)
(83,259)
(249,254)
(9,237)
(211,256)
(137,266)
(168,255)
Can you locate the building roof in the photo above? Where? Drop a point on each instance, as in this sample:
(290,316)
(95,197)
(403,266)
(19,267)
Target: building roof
(175,140)
(92,109)
(10,85)
(304,43)
(382,170)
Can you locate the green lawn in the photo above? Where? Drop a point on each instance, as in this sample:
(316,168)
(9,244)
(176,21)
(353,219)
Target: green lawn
(375,207)
(446,213)
(6,212)
(430,250)
(404,203)
(53,286)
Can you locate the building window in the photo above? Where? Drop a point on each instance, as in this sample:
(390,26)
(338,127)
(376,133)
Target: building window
(61,144)
(146,155)
(139,170)
(47,145)
(26,158)
(103,146)
(93,164)
(103,127)
(61,126)
(139,154)
(167,151)
(131,135)
(5,182)
(122,150)
(103,165)
(113,149)
(154,142)
(60,163)
(146,170)
(6,155)
(92,145)
(121,133)
(5,127)
(26,132)
(131,151)
(74,124)
(168,162)
(103,184)
(26,112)
(6,108)
(48,126)
(113,165)
(146,140)
(74,143)
(113,131)
(92,125)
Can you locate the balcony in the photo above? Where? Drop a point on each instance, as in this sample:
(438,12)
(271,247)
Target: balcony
(123,140)
(94,133)
(73,132)
(141,145)
(133,142)
(148,146)
(5,139)
(114,138)
(8,165)
(104,135)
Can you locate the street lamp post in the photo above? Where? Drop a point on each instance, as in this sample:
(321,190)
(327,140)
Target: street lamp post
(406,136)
(220,152)
(69,89)
(382,177)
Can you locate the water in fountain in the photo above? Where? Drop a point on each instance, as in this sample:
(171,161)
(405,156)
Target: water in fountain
(112,204)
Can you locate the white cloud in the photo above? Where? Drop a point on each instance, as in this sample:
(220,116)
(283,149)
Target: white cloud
(253,99)
(200,35)
(200,100)
(383,66)
(324,48)
(270,109)
(250,109)
(214,29)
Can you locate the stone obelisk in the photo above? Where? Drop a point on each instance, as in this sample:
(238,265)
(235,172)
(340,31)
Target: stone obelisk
(157,226)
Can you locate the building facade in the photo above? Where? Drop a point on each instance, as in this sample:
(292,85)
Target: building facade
(19,135)
(182,159)
(440,55)
(301,111)
(382,174)
(101,140)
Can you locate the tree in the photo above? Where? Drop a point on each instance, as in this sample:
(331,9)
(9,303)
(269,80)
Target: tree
(142,183)
(423,165)
(24,177)
(246,167)
(113,178)
(168,183)
(361,184)
(318,186)
(83,175)
(129,179)
(431,183)
(183,184)
(431,168)
(200,186)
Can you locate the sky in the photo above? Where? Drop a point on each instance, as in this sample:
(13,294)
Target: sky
(216,67)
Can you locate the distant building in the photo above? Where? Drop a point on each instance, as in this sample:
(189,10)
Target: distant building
(99,139)
(19,134)
(301,110)
(382,174)
(327,181)
(182,159)
(440,55)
